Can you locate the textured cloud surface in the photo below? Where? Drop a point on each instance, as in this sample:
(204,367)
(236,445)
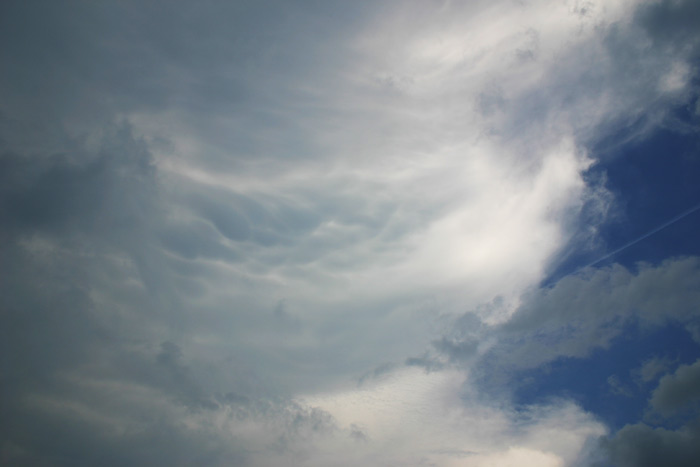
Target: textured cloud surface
(343,233)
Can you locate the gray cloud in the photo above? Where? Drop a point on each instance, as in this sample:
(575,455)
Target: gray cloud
(618,388)
(375,373)
(577,315)
(210,212)
(652,368)
(640,446)
(671,22)
(584,312)
(677,390)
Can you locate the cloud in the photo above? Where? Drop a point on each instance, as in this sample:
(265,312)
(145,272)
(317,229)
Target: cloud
(520,456)
(670,21)
(573,318)
(116,422)
(596,308)
(410,416)
(641,445)
(588,310)
(616,387)
(215,220)
(678,390)
(577,315)
(652,368)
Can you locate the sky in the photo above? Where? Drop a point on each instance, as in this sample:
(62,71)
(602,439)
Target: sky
(333,233)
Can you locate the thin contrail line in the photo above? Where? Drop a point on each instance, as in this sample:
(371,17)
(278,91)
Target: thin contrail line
(646,235)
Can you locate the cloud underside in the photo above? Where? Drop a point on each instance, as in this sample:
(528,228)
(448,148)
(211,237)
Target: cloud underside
(236,235)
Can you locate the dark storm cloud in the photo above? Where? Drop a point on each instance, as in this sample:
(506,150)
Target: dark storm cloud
(88,280)
(86,379)
(177,375)
(643,446)
(129,49)
(72,65)
(60,215)
(678,391)
(98,194)
(69,224)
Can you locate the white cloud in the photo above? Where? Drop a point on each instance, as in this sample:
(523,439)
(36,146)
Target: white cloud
(518,457)
(676,79)
(410,416)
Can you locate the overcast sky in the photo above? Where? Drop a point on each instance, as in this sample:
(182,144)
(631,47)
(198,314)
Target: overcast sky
(342,233)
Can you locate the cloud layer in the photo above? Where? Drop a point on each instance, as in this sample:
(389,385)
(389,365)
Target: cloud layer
(236,234)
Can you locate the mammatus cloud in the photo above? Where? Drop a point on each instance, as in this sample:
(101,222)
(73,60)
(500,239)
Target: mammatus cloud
(216,219)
